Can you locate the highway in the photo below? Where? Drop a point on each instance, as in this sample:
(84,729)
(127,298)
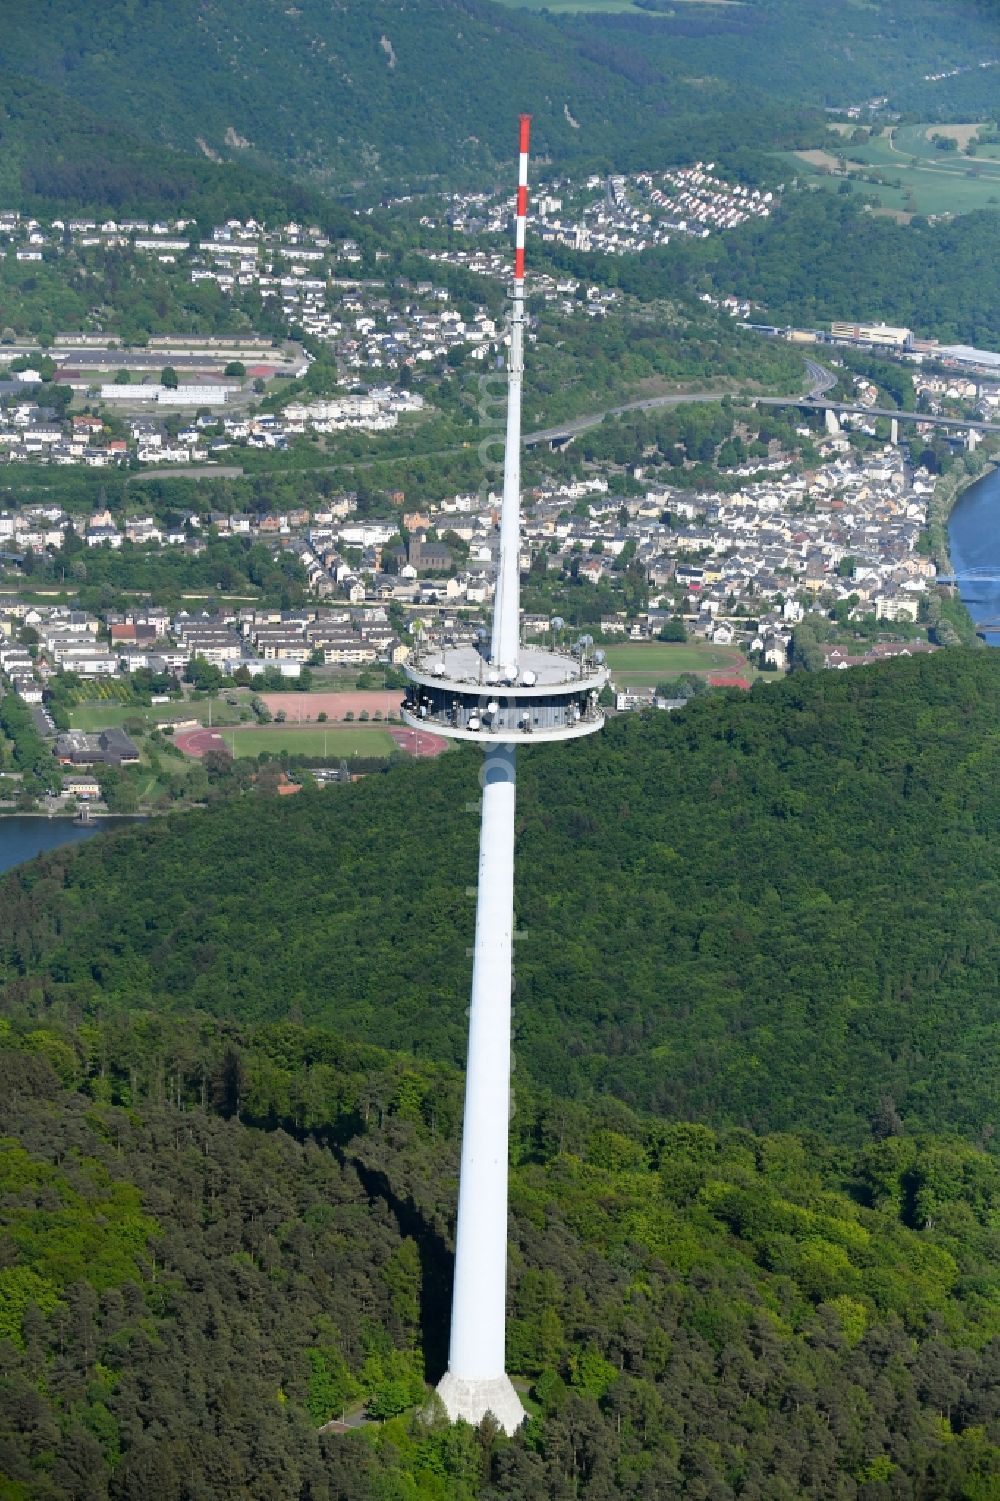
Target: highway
(593,419)
(815,403)
(821,378)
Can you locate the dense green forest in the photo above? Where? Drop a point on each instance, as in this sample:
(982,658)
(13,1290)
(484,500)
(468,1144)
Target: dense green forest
(59,154)
(363,90)
(835,54)
(754,1196)
(229,565)
(404,90)
(215,1239)
(773,910)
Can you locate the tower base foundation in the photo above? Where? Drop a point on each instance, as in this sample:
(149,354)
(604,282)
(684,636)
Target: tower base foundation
(472,1400)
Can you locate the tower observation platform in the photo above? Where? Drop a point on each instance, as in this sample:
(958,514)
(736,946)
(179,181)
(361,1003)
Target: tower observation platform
(544,695)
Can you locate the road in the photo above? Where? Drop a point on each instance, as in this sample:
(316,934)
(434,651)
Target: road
(189,471)
(593,419)
(818,404)
(822,380)
(945,170)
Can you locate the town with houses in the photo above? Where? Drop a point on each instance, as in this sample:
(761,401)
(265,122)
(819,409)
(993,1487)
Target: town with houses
(621,215)
(91,398)
(740,566)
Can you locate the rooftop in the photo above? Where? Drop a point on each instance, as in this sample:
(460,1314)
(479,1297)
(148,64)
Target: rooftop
(539,670)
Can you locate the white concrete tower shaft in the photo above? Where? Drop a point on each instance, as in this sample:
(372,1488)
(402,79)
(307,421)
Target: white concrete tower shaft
(507,605)
(476,1381)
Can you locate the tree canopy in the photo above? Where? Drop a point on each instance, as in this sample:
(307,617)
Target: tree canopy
(216,1240)
(769,909)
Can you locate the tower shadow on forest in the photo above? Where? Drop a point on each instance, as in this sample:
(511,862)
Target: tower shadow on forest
(437,1268)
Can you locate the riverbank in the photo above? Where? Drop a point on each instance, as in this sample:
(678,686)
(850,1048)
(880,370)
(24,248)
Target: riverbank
(69,814)
(948,491)
(974,549)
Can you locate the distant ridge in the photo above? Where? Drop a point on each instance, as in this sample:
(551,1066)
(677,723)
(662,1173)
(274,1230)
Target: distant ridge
(356,90)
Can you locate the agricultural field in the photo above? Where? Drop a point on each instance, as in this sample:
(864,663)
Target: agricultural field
(644,664)
(919,178)
(334,742)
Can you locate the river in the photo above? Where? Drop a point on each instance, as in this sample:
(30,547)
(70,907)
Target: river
(22,838)
(974,544)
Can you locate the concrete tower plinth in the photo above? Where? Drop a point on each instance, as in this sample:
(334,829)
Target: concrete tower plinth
(472,1400)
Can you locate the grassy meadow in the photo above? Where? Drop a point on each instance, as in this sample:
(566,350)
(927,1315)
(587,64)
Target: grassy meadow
(643,664)
(919,178)
(334,741)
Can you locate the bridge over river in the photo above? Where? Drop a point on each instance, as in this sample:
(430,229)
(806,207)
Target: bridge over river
(974,548)
(970,577)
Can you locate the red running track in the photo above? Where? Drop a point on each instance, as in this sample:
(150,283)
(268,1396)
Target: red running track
(199,742)
(419,743)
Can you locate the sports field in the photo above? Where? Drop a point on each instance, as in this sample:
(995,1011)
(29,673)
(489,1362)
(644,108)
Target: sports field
(92,716)
(918,177)
(643,664)
(310,740)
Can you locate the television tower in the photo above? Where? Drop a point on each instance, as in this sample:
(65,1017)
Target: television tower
(501,695)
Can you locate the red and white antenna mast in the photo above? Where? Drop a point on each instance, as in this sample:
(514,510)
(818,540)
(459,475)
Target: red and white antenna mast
(507,605)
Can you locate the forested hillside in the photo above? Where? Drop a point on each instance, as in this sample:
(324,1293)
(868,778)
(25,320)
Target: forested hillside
(775,909)
(823,257)
(832,54)
(351,90)
(214,1240)
(414,88)
(58,155)
(226,1214)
